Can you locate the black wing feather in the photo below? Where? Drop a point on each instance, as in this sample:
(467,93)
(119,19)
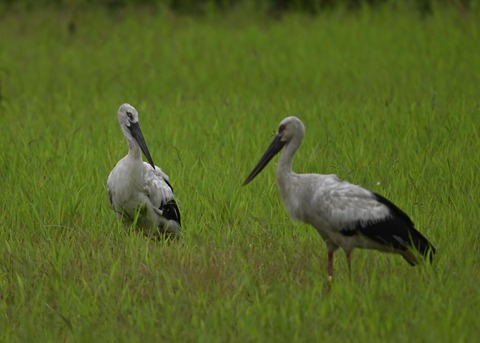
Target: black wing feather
(168,183)
(394,209)
(171,212)
(396,231)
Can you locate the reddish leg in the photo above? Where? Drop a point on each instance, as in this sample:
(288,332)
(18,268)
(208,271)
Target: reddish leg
(330,266)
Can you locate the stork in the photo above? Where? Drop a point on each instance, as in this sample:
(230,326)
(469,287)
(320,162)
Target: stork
(139,192)
(345,215)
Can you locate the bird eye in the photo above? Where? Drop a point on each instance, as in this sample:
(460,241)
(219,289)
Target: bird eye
(281,128)
(130,115)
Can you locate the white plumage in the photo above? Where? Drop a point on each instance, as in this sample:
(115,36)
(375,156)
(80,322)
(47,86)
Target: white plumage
(139,192)
(345,215)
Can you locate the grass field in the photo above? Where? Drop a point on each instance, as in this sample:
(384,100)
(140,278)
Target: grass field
(390,101)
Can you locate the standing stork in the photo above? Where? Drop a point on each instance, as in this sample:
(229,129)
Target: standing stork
(345,215)
(139,191)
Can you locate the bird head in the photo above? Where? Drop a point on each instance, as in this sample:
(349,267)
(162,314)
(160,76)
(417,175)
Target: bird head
(290,128)
(128,119)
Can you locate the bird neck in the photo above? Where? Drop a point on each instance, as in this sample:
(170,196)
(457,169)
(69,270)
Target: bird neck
(284,168)
(134,150)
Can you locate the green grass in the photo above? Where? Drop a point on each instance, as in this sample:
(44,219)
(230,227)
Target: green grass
(390,101)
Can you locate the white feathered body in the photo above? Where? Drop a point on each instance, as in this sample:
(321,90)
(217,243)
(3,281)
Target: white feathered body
(331,205)
(137,190)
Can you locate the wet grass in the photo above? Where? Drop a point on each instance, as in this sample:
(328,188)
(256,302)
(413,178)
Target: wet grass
(390,101)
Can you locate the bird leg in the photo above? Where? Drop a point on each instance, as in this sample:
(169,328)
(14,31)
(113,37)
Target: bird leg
(330,266)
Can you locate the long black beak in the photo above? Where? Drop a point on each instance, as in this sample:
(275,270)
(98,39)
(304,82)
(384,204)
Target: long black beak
(138,135)
(272,150)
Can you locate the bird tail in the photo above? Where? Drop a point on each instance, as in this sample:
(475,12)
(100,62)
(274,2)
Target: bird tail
(419,246)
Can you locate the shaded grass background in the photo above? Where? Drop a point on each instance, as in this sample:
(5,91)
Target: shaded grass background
(390,102)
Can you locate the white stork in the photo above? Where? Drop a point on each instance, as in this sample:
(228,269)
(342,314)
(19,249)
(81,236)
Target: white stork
(345,215)
(139,191)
